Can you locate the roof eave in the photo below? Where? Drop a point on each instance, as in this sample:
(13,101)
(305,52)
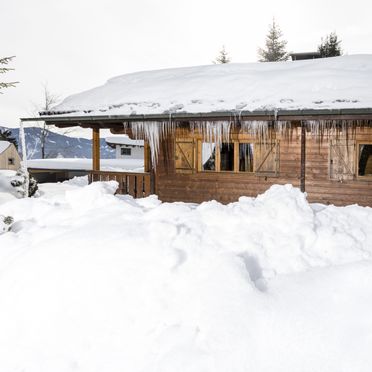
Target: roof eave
(305,114)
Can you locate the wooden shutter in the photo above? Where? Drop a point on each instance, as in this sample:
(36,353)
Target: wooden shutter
(266,158)
(342,159)
(184,155)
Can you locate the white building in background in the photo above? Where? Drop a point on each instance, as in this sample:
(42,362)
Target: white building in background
(125,147)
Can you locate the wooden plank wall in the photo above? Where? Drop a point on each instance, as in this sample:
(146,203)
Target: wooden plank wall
(10,152)
(228,187)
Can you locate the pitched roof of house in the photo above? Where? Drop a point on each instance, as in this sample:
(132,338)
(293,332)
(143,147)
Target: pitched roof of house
(327,83)
(123,140)
(4,145)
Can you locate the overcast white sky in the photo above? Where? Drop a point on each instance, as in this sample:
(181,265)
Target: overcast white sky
(74,45)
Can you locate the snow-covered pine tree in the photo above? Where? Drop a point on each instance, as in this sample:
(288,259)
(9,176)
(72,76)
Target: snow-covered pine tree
(3,70)
(20,180)
(6,135)
(275,48)
(330,46)
(222,57)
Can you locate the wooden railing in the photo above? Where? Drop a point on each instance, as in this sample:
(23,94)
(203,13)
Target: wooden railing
(137,185)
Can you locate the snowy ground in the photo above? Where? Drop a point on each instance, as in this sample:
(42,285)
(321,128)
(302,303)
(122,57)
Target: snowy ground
(93,282)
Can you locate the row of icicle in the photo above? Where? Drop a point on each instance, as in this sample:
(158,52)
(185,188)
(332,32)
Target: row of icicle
(219,131)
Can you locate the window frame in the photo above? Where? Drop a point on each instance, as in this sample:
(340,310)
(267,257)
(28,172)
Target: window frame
(125,148)
(236,144)
(365,177)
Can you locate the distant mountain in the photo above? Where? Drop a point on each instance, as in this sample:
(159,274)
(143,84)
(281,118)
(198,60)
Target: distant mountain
(58,145)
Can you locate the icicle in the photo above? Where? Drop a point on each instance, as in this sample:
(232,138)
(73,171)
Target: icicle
(153,132)
(148,131)
(24,159)
(257,128)
(282,127)
(213,131)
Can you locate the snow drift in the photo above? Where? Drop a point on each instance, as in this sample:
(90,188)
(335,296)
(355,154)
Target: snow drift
(90,281)
(326,83)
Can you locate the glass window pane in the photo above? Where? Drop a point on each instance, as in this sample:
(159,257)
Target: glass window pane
(227,157)
(209,156)
(126,151)
(246,157)
(365,160)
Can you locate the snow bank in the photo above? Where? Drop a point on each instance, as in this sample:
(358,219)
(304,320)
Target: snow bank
(94,282)
(326,83)
(7,191)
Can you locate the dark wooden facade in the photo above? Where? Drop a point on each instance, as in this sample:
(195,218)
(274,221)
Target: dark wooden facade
(330,169)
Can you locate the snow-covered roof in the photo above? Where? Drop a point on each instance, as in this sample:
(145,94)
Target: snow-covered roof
(4,145)
(327,83)
(118,165)
(123,140)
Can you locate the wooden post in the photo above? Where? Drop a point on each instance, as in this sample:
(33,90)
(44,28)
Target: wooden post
(303,156)
(147,156)
(96,149)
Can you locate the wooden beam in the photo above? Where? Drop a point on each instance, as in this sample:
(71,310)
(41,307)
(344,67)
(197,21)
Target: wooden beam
(303,156)
(121,130)
(96,149)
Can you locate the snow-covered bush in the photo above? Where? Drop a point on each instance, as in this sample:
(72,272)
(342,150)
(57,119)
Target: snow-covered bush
(5,223)
(19,182)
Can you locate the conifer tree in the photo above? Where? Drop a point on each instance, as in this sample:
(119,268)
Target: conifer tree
(6,135)
(5,61)
(275,48)
(223,56)
(330,46)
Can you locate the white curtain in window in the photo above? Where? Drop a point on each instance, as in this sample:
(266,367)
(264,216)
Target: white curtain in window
(207,151)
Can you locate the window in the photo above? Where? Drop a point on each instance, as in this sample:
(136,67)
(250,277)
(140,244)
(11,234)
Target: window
(259,158)
(10,161)
(262,159)
(218,158)
(227,157)
(365,160)
(126,151)
(245,157)
(209,156)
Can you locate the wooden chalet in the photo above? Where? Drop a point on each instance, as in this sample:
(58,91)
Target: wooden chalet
(322,144)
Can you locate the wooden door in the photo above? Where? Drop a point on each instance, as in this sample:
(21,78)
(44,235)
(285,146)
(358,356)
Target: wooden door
(266,158)
(184,155)
(342,159)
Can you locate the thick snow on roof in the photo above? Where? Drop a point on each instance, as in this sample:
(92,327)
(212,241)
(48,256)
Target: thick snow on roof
(4,145)
(123,140)
(328,83)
